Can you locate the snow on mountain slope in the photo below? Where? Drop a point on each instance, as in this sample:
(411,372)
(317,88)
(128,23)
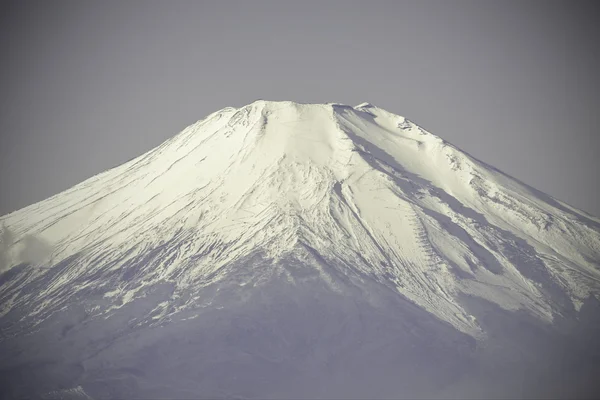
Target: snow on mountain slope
(360,192)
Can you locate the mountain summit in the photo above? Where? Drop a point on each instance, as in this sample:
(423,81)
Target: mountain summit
(355,208)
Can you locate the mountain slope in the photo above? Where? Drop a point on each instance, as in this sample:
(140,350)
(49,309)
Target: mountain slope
(323,195)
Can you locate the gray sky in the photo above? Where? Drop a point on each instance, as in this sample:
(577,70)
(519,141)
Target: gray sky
(88,85)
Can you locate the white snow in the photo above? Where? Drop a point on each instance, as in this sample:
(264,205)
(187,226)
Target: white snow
(370,191)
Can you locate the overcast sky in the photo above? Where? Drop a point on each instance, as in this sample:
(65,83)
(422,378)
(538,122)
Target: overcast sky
(88,85)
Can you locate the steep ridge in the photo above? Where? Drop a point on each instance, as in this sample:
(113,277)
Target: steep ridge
(370,194)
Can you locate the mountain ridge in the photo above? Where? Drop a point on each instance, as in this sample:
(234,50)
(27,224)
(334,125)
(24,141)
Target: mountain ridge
(421,215)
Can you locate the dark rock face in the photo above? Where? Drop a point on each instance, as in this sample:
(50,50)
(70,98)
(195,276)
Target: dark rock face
(301,339)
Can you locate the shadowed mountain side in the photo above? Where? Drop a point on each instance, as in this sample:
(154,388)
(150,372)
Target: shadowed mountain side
(278,339)
(294,336)
(523,357)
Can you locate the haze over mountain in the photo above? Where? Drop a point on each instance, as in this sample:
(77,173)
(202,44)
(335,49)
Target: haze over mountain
(300,250)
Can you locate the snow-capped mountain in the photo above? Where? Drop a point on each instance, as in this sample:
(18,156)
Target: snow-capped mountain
(355,202)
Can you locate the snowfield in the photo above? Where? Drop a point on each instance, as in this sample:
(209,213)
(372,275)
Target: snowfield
(324,200)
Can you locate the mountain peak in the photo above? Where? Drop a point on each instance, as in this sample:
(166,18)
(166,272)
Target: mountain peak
(286,246)
(282,104)
(363,192)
